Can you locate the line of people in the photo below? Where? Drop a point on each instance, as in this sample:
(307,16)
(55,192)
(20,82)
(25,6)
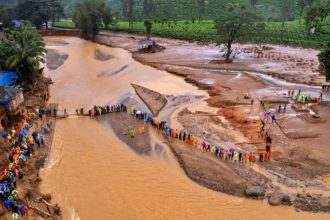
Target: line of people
(302,98)
(21,146)
(231,154)
(326,88)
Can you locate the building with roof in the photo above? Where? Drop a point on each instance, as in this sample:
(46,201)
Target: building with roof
(142,44)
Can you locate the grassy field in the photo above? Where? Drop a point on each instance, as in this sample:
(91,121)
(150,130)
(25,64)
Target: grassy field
(293,34)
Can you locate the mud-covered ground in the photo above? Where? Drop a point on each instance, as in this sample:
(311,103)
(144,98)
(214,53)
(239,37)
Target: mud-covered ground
(300,159)
(120,123)
(292,64)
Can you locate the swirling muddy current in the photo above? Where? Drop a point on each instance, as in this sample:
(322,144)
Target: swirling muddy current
(92,174)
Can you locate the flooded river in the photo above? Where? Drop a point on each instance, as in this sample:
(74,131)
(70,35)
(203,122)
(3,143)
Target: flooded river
(94,175)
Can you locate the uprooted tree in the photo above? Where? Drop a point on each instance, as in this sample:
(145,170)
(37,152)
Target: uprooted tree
(233,24)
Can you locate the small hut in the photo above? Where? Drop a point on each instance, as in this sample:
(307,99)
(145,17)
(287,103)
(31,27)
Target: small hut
(146,44)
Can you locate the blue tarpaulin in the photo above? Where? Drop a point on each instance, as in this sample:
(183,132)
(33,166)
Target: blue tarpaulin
(7,78)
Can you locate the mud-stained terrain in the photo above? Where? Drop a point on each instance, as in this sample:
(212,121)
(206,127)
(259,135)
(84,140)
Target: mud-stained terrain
(120,123)
(55,59)
(154,100)
(226,117)
(292,64)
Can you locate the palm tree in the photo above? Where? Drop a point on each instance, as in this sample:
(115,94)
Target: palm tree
(148,26)
(29,52)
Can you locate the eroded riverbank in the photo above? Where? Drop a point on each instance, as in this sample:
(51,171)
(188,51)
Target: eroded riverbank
(144,187)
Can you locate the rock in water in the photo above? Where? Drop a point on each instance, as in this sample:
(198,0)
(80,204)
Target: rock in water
(276,198)
(255,191)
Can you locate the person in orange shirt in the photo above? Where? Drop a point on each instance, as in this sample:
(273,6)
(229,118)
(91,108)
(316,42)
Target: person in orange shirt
(254,157)
(244,158)
(5,172)
(196,143)
(192,139)
(141,130)
(251,157)
(175,133)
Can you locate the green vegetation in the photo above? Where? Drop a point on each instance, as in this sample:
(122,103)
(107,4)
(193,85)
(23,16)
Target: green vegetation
(22,51)
(89,15)
(39,12)
(148,26)
(293,34)
(236,21)
(324,58)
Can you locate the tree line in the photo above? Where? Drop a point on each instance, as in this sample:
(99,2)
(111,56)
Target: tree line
(38,12)
(234,20)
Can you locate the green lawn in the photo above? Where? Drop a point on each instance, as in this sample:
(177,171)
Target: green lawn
(64,24)
(293,34)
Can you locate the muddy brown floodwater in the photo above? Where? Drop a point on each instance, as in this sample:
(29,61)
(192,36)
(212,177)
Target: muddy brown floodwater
(93,175)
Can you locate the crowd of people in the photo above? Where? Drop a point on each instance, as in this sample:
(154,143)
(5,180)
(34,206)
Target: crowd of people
(224,153)
(21,144)
(302,98)
(100,110)
(326,88)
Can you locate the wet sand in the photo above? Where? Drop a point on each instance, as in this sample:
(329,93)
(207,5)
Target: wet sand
(153,187)
(120,122)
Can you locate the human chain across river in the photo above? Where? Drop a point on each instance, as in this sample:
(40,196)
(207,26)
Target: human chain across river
(230,154)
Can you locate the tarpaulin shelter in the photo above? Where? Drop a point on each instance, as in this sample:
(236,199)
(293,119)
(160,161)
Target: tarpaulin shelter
(11,97)
(7,78)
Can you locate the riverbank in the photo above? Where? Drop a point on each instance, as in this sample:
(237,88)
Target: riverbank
(245,180)
(227,89)
(29,165)
(296,65)
(144,180)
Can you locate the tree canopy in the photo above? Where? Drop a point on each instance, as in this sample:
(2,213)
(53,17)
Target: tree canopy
(148,26)
(22,51)
(89,15)
(234,23)
(39,12)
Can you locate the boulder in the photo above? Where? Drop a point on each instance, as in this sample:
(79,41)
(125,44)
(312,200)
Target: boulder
(255,191)
(287,199)
(276,198)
